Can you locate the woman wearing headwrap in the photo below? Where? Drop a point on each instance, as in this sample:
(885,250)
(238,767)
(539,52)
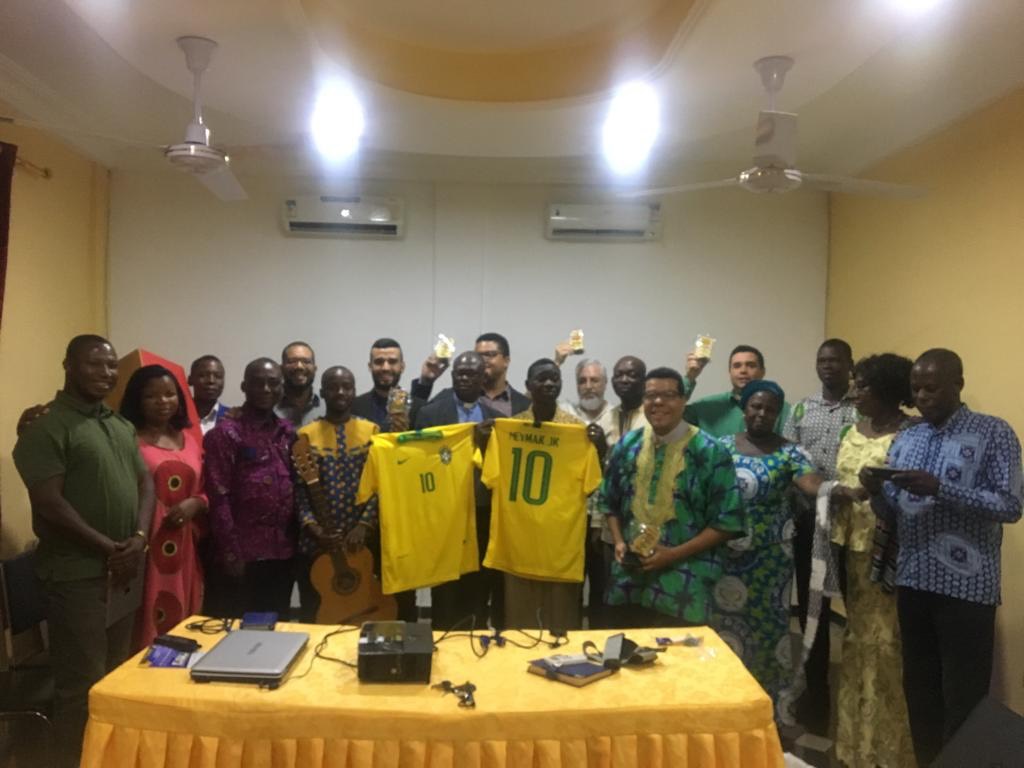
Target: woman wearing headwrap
(873,726)
(752,596)
(155,403)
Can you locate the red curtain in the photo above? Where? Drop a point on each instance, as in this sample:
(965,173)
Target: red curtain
(7,154)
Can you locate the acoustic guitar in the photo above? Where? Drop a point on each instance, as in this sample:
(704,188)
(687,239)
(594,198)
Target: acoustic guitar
(349,592)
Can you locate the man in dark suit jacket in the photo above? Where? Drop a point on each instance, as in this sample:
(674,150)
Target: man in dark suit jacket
(386,367)
(470,595)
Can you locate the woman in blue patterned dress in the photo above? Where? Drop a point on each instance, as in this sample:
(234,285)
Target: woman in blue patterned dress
(752,597)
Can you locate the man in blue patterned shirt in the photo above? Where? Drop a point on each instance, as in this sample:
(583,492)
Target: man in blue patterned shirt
(959,481)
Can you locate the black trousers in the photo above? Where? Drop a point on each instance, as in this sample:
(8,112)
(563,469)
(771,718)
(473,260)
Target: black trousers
(476,598)
(598,563)
(82,650)
(813,710)
(266,586)
(947,664)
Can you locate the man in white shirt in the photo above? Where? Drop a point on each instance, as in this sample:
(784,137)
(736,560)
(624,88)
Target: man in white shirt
(206,377)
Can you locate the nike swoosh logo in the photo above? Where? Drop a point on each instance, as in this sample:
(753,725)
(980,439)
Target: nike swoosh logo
(402,461)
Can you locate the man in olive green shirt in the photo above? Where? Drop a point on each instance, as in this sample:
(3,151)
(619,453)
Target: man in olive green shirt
(721,415)
(92,503)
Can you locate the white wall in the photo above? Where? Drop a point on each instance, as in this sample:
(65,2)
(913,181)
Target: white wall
(190,275)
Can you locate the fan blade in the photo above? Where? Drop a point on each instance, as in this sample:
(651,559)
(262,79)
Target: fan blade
(848,185)
(775,139)
(732,182)
(223,184)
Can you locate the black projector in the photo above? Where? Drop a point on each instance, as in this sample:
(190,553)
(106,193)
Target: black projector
(395,652)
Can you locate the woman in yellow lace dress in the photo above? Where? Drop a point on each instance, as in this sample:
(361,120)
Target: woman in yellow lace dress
(873,728)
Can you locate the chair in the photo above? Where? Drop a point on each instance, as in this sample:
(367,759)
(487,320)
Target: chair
(26,740)
(24,662)
(24,611)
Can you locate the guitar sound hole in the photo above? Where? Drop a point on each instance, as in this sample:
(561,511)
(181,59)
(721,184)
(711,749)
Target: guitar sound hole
(346,582)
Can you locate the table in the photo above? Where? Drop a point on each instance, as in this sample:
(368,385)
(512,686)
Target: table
(694,707)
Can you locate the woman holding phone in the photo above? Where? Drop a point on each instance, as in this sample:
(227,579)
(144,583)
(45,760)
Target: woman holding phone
(873,726)
(155,403)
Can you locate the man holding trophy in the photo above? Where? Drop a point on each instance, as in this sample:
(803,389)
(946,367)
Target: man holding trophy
(672,501)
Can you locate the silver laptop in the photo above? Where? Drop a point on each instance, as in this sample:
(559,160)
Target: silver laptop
(251,656)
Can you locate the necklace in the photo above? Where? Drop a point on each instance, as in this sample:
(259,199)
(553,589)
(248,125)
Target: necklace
(886,426)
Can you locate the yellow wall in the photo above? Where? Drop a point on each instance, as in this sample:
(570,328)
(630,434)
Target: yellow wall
(56,288)
(948,271)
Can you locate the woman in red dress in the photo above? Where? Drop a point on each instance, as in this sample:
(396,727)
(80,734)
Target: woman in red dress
(154,402)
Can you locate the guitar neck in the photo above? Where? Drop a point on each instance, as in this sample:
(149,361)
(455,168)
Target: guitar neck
(320,504)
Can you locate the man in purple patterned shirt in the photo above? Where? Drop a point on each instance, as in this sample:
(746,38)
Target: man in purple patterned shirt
(249,484)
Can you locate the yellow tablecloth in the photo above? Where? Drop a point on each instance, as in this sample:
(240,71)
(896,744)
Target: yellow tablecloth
(694,707)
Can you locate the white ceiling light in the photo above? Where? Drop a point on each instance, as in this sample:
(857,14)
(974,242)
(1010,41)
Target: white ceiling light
(915,7)
(337,123)
(631,127)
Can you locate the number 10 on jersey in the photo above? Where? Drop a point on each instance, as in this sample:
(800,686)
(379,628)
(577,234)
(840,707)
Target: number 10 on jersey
(524,470)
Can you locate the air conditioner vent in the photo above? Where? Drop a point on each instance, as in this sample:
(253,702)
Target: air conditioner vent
(613,222)
(348,216)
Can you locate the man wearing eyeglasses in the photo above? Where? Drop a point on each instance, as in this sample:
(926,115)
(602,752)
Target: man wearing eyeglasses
(498,393)
(672,501)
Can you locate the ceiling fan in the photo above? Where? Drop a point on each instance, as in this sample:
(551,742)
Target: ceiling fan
(775,154)
(195,155)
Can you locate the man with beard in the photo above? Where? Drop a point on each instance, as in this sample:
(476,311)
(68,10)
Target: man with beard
(92,503)
(473,592)
(252,515)
(299,404)
(592,408)
(206,377)
(498,393)
(720,414)
(386,367)
(341,443)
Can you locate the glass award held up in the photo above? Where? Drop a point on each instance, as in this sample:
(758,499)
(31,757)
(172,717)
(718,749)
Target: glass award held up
(398,409)
(641,538)
(702,346)
(576,341)
(444,348)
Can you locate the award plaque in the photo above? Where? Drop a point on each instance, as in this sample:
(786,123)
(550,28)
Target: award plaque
(702,346)
(398,409)
(641,540)
(445,347)
(576,341)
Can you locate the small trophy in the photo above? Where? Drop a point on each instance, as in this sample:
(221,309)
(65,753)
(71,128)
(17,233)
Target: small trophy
(576,341)
(702,346)
(444,348)
(398,409)
(642,540)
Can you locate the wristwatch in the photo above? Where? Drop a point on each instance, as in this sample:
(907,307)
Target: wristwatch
(145,539)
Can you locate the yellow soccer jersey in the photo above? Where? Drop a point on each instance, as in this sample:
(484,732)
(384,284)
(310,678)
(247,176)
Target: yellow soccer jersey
(540,478)
(424,486)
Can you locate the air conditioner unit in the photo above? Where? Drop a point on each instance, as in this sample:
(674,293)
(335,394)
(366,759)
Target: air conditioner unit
(612,222)
(344,216)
